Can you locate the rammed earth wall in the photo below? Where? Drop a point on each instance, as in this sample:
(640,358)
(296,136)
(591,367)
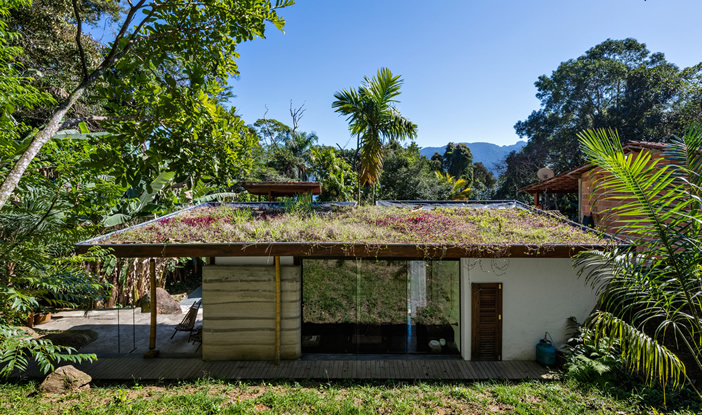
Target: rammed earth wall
(239,311)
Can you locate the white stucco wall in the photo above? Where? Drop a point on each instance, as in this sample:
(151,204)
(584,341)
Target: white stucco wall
(538,295)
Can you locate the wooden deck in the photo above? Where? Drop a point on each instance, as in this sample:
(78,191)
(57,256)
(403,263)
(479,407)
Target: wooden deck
(129,368)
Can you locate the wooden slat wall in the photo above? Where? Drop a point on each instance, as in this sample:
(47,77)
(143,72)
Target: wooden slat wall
(486,318)
(239,312)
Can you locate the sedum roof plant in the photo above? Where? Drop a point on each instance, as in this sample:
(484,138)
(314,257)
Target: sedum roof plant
(450,226)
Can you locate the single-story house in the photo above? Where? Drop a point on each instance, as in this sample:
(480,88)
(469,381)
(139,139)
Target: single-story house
(478,280)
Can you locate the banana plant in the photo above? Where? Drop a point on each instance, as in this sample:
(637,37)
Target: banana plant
(146,204)
(459,188)
(165,196)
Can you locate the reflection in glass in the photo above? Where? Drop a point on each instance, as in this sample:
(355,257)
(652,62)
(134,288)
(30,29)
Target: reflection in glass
(372,306)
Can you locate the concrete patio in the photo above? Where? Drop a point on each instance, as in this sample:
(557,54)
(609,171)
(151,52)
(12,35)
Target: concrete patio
(123,332)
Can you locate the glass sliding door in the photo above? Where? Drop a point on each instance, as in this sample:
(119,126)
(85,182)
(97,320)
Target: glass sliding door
(434,307)
(328,306)
(381,319)
(379,306)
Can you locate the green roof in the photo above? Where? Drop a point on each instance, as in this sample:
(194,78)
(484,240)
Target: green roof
(492,226)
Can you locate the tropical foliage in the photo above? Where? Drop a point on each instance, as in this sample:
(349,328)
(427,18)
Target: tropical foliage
(616,84)
(334,174)
(407,175)
(374,119)
(165,56)
(459,188)
(37,271)
(163,111)
(650,298)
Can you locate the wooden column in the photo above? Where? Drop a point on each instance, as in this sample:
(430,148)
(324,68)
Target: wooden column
(536,199)
(277,310)
(152,335)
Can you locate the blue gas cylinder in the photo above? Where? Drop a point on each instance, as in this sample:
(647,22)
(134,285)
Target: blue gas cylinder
(545,352)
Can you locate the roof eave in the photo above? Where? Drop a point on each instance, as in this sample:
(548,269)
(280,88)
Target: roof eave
(341,249)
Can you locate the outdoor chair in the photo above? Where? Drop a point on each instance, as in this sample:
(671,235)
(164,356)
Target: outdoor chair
(188,323)
(196,337)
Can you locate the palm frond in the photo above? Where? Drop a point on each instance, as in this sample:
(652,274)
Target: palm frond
(383,87)
(654,294)
(371,115)
(648,199)
(371,159)
(642,353)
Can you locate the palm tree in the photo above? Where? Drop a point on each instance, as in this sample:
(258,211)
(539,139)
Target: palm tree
(374,119)
(650,299)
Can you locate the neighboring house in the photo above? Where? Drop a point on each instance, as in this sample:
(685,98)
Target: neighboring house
(478,280)
(592,208)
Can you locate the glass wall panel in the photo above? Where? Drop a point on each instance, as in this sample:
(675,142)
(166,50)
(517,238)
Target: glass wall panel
(379,306)
(434,307)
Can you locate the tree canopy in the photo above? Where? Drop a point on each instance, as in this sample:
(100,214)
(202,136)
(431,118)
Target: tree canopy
(617,84)
(154,92)
(159,48)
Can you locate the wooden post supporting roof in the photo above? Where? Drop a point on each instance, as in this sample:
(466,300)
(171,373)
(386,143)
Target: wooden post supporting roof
(152,335)
(277,310)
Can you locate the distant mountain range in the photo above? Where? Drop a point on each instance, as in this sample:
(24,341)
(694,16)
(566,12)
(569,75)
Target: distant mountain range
(487,153)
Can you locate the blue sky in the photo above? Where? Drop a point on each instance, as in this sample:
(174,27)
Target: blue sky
(469,66)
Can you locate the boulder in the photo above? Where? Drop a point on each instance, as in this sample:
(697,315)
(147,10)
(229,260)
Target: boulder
(65,379)
(165,304)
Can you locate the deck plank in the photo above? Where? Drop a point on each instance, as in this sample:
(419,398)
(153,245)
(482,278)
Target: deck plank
(517,370)
(494,370)
(128,368)
(477,373)
(468,372)
(405,372)
(524,370)
(509,367)
(533,371)
(390,369)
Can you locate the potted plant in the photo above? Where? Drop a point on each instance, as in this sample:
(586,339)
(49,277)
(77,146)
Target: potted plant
(42,316)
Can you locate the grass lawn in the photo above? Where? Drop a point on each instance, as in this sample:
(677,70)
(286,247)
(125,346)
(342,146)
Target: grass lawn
(212,396)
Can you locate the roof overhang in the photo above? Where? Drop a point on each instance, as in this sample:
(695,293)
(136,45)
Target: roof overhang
(338,249)
(566,182)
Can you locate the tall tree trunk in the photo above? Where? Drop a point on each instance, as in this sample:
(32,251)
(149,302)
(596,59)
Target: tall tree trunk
(355,167)
(52,127)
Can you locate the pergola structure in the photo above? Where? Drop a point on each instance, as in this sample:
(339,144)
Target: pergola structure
(563,183)
(274,190)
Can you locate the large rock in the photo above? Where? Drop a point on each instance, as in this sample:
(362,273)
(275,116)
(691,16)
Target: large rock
(165,304)
(65,379)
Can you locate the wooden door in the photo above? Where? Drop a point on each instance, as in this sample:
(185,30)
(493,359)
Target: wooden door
(486,316)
